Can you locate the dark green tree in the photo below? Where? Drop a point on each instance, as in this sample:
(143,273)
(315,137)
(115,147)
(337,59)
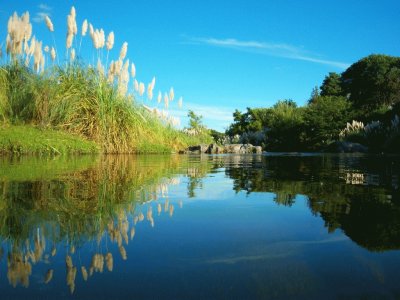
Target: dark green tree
(314,94)
(285,127)
(373,82)
(331,86)
(324,118)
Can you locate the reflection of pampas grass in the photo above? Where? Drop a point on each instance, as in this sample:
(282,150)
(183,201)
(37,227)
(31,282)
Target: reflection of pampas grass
(109,262)
(48,276)
(68,261)
(122,251)
(84,273)
(132,233)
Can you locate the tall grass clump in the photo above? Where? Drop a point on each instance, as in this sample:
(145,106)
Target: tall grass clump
(3,95)
(95,101)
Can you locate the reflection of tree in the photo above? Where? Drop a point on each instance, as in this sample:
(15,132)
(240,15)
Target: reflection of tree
(356,194)
(197,168)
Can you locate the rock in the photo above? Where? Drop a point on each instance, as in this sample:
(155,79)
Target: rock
(347,147)
(229,148)
(233,148)
(257,149)
(214,149)
(202,148)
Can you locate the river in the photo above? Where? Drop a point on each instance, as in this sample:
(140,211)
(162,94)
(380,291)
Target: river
(274,226)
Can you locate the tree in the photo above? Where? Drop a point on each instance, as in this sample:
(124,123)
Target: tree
(331,86)
(314,94)
(324,118)
(195,121)
(285,126)
(373,82)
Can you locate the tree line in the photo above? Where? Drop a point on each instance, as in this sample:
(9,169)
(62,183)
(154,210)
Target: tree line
(361,105)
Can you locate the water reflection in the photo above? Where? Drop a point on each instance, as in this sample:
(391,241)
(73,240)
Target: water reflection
(85,210)
(358,194)
(69,202)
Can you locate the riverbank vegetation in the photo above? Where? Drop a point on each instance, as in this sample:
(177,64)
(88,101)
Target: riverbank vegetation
(361,105)
(96,102)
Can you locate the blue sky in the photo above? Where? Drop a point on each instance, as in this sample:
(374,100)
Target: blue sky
(227,55)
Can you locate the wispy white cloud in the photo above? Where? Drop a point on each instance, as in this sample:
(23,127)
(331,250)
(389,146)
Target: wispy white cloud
(216,117)
(272,49)
(39,17)
(210,112)
(45,7)
(44,10)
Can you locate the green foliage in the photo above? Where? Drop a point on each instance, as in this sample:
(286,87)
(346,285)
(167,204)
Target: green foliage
(324,118)
(368,91)
(3,95)
(195,121)
(314,94)
(285,125)
(331,86)
(373,82)
(252,120)
(219,137)
(17,100)
(31,140)
(78,100)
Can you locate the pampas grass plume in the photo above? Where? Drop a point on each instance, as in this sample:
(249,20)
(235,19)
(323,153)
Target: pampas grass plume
(159,98)
(166,100)
(180,102)
(133,70)
(72,55)
(136,85)
(70,38)
(124,50)
(53,54)
(110,41)
(141,88)
(49,24)
(84,27)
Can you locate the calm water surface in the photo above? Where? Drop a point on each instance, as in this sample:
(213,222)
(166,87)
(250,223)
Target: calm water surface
(176,227)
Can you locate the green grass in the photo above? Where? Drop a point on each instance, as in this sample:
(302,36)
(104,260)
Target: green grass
(78,101)
(27,139)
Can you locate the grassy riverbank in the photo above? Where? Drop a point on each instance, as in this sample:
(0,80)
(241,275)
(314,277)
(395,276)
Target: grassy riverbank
(26,139)
(29,139)
(75,107)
